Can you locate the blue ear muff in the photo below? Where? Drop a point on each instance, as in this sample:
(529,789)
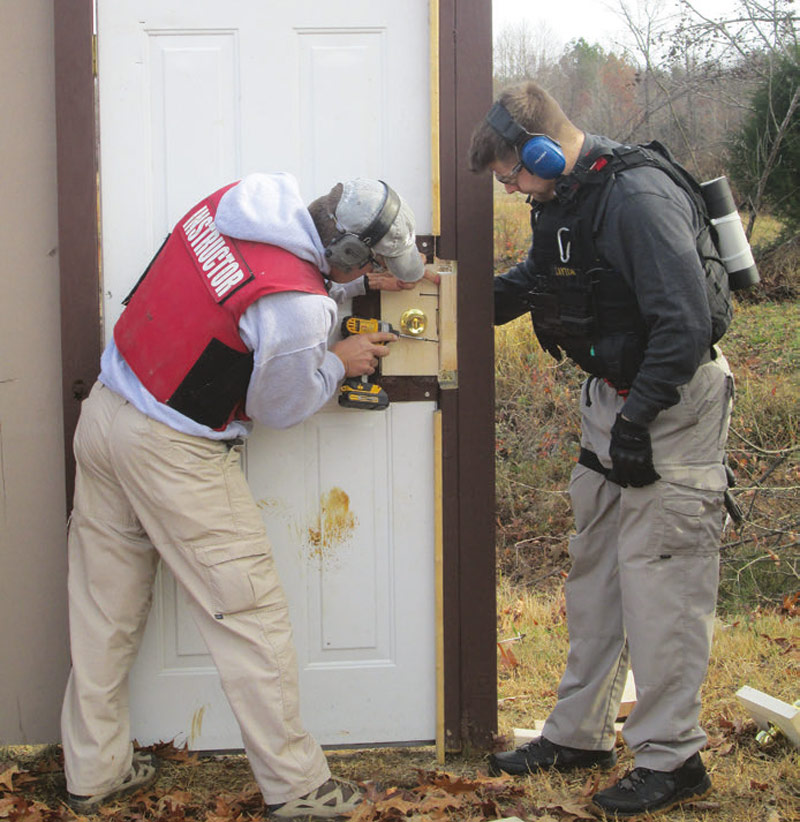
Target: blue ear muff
(538,153)
(542,156)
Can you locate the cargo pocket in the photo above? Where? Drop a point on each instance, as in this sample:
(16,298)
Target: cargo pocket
(690,522)
(240,577)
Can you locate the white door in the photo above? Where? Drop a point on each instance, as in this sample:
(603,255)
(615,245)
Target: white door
(193,95)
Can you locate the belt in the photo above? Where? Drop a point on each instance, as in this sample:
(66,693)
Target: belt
(709,355)
(622,392)
(589,459)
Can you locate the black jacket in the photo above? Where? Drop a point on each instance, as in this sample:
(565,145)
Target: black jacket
(648,235)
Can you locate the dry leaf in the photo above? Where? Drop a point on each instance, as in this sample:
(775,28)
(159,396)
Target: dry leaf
(168,751)
(592,786)
(7,777)
(12,806)
(403,806)
(364,812)
(791,604)
(572,809)
(440,801)
(507,656)
(459,785)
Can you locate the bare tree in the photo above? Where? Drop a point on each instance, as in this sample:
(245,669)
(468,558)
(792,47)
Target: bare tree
(753,27)
(763,35)
(769,163)
(523,51)
(688,96)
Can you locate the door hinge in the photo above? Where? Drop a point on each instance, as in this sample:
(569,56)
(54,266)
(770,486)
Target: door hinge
(425,244)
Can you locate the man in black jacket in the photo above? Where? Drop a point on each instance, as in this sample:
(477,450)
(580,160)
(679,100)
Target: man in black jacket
(619,279)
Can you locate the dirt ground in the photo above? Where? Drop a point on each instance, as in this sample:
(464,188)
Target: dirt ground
(221,788)
(404,783)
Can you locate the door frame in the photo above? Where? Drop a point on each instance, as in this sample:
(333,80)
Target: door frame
(465,94)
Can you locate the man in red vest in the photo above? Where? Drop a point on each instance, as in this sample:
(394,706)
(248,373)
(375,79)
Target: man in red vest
(229,324)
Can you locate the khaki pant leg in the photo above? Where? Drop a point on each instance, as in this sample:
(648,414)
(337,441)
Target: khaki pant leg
(591,687)
(669,568)
(111,569)
(669,573)
(191,496)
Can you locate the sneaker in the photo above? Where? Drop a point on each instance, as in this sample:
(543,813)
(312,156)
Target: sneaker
(647,791)
(143,773)
(542,754)
(332,798)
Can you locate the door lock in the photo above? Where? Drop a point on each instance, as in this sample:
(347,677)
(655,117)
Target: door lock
(413,322)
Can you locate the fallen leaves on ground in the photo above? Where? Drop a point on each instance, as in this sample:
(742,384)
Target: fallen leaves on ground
(193,788)
(437,797)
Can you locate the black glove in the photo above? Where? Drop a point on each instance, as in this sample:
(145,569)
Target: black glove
(631,454)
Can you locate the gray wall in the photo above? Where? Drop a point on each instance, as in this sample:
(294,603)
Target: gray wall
(34,654)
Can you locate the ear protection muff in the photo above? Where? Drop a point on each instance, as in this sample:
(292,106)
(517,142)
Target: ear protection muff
(351,250)
(538,153)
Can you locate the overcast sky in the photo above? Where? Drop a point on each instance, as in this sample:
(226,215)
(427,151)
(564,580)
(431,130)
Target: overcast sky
(597,21)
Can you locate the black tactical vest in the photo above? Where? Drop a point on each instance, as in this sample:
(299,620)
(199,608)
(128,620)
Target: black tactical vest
(583,307)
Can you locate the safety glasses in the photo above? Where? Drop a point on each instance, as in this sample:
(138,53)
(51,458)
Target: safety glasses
(510,178)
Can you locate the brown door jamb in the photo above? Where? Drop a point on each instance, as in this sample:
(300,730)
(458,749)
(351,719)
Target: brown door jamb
(81,333)
(465,67)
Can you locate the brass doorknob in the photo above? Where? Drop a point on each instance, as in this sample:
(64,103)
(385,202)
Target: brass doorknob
(413,322)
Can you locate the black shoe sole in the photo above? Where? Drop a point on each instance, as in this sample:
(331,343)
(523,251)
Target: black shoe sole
(496,769)
(689,795)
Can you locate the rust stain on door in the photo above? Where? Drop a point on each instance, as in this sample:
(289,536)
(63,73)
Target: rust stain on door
(197,724)
(334,525)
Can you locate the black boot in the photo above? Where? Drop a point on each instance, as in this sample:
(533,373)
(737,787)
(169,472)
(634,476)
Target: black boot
(646,791)
(542,754)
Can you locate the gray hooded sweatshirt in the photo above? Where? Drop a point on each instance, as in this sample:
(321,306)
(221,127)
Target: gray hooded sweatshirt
(294,374)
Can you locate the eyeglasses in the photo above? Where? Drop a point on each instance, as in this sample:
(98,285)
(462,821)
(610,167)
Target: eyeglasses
(511,178)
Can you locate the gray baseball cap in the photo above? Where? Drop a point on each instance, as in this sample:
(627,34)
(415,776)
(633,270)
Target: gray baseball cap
(360,203)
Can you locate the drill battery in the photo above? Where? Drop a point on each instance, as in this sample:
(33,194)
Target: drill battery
(358,392)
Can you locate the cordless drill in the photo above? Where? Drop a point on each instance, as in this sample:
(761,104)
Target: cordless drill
(366,325)
(359,392)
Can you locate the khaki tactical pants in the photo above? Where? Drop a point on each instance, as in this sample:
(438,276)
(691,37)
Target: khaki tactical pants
(643,584)
(145,491)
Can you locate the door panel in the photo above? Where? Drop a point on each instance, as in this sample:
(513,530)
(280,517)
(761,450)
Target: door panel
(191,97)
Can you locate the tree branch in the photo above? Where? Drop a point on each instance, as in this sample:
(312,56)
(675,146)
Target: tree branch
(773,154)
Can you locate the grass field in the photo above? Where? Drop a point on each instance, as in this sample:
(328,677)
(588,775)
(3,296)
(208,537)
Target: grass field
(760,649)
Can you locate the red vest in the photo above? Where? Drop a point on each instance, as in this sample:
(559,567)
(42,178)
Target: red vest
(179,332)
